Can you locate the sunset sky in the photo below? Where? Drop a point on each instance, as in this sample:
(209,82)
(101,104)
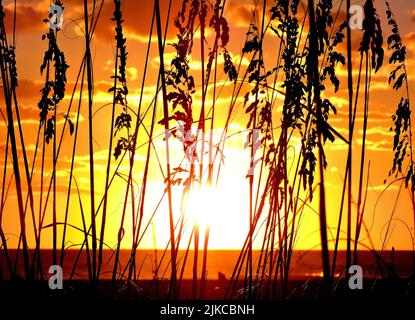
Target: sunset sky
(229,223)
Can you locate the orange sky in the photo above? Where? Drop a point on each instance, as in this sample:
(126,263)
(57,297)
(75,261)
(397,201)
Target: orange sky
(232,222)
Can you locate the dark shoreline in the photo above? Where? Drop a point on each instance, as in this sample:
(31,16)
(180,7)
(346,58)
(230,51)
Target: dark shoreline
(304,264)
(395,282)
(148,290)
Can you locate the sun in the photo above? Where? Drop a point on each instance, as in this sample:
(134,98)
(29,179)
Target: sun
(220,208)
(205,206)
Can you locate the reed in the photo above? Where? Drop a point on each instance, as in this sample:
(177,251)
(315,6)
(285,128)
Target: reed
(173,278)
(284,98)
(9,80)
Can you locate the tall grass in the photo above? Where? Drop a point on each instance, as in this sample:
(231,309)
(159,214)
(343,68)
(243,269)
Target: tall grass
(285,99)
(9,80)
(173,277)
(89,74)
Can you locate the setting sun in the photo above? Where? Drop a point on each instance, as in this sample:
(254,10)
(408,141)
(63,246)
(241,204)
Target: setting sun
(205,206)
(219,208)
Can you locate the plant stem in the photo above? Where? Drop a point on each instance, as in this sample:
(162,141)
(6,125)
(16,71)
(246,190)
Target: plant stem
(90,139)
(173,278)
(314,75)
(350,153)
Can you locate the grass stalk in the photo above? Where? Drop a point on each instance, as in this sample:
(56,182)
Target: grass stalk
(314,79)
(13,141)
(173,277)
(89,72)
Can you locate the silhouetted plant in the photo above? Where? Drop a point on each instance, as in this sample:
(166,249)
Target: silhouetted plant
(219,23)
(322,107)
(179,81)
(9,83)
(372,35)
(123,121)
(256,102)
(306,65)
(54,90)
(402,118)
(334,58)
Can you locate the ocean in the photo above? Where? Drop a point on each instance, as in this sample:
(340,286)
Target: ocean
(220,263)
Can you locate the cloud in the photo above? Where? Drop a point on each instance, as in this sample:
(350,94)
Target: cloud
(28,91)
(196,64)
(409,41)
(29,17)
(378,131)
(383,187)
(137,16)
(412,15)
(378,145)
(242,12)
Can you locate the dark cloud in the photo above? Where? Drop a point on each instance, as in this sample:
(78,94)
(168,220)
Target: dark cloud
(409,41)
(137,16)
(28,18)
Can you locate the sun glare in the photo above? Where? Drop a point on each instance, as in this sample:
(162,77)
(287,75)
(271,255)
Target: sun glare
(205,206)
(222,209)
